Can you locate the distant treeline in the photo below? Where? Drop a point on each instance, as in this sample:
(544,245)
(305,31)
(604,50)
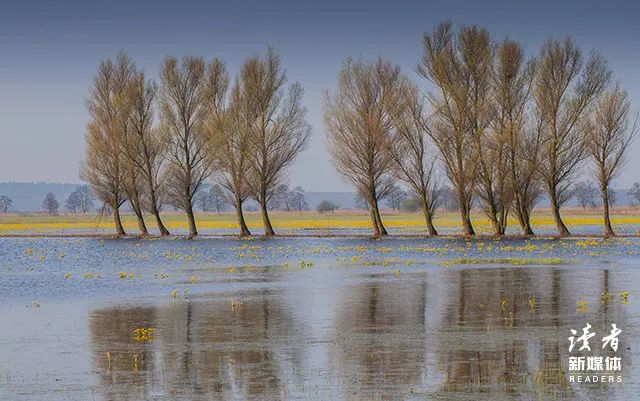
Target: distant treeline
(487,126)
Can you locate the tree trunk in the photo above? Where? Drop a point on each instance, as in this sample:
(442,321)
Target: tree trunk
(244,230)
(497,228)
(608,230)
(156,214)
(374,222)
(467,227)
(378,219)
(555,210)
(525,224)
(193,231)
(492,213)
(504,220)
(268,228)
(428,217)
(142,227)
(523,219)
(118,222)
(465,214)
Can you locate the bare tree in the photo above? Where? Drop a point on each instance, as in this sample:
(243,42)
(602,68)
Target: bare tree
(72,204)
(131,176)
(326,207)
(413,163)
(473,87)
(79,200)
(218,198)
(230,131)
(134,189)
(564,89)
(609,135)
(449,199)
(104,166)
(585,192)
(212,199)
(50,204)
(447,62)
(85,199)
(297,200)
(513,82)
(281,198)
(144,146)
(634,193)
(279,132)
(360,202)
(395,197)
(359,121)
(185,103)
(5,203)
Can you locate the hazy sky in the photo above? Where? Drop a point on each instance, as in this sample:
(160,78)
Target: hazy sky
(49,52)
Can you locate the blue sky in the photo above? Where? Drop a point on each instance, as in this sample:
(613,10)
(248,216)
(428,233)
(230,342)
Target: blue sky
(49,52)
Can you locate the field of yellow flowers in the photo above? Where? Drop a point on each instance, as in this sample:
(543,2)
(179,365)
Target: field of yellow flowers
(310,223)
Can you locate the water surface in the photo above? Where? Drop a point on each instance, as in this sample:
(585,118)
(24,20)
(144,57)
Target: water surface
(311,319)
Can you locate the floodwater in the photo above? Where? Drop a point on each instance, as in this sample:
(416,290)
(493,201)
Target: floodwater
(314,319)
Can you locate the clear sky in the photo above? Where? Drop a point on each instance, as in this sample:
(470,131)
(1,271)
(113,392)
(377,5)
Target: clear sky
(49,52)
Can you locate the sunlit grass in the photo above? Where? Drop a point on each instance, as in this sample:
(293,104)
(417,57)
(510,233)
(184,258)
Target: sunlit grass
(299,222)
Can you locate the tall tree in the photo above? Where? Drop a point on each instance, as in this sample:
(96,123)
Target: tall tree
(297,200)
(185,104)
(103,168)
(131,176)
(144,146)
(134,189)
(50,204)
(609,135)
(413,162)
(585,192)
(230,131)
(280,130)
(79,200)
(72,204)
(212,199)
(359,121)
(395,197)
(474,86)
(85,199)
(512,82)
(564,89)
(5,203)
(634,193)
(448,62)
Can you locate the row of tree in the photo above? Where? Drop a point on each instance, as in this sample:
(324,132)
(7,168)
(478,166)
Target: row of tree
(80,200)
(244,134)
(215,199)
(504,128)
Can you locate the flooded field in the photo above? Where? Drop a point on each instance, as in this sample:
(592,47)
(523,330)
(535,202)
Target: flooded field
(313,318)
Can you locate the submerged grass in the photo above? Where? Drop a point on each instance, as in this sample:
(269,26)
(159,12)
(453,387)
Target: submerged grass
(505,261)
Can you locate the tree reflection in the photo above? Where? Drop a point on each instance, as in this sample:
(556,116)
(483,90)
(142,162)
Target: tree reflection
(201,349)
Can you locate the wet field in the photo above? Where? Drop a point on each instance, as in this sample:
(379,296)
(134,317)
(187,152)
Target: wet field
(312,318)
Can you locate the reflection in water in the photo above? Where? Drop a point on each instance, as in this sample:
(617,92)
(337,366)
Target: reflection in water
(123,362)
(453,334)
(201,349)
(379,340)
